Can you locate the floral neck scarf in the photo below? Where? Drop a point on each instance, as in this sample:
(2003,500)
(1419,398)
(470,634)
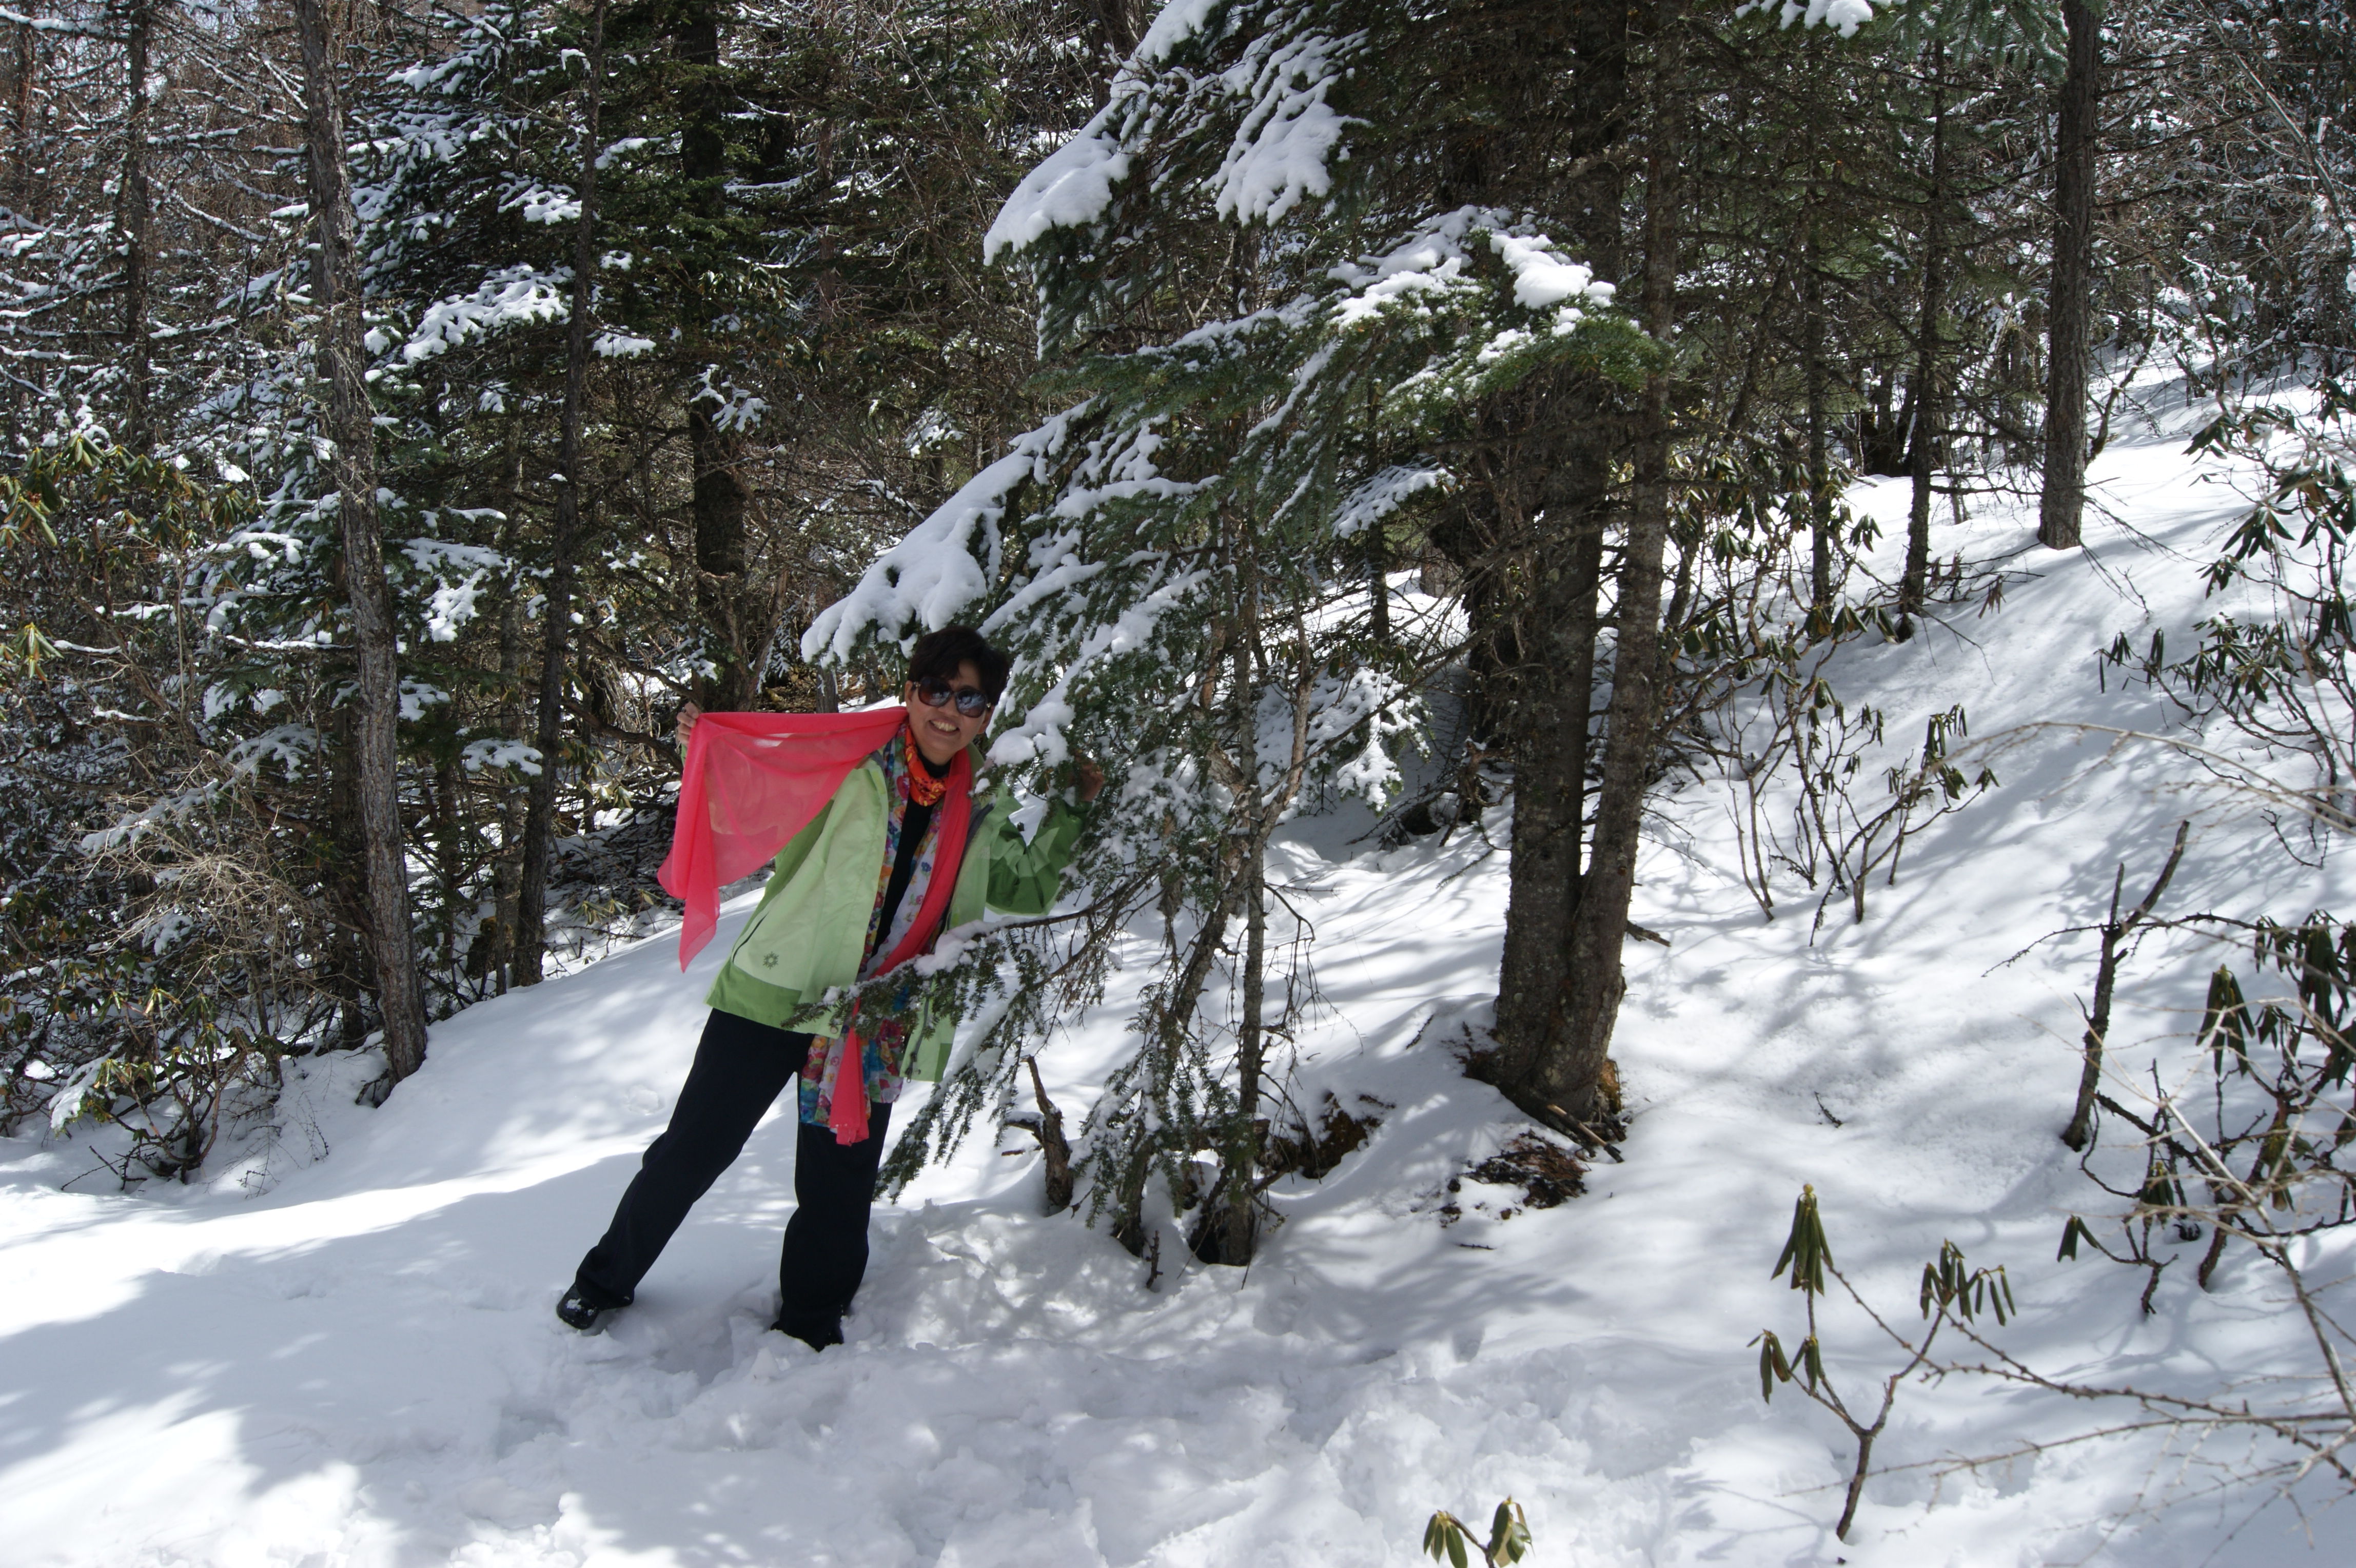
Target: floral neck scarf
(917,778)
(885,1042)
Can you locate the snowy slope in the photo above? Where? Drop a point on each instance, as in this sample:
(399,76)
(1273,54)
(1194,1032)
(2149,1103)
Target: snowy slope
(359,1365)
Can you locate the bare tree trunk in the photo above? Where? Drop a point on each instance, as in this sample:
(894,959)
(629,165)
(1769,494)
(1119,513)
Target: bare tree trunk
(1548,648)
(1240,1222)
(531,896)
(1055,1148)
(1119,28)
(2061,503)
(2107,975)
(1930,364)
(346,889)
(351,427)
(134,206)
(1228,1235)
(28,65)
(1820,484)
(1572,1085)
(507,867)
(1553,714)
(720,500)
(449,854)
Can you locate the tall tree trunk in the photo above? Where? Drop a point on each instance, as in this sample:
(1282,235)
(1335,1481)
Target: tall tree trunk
(134,207)
(531,896)
(1820,482)
(1927,395)
(1552,715)
(1239,1222)
(2061,503)
(347,887)
(1553,518)
(1118,27)
(507,867)
(1227,1237)
(449,854)
(351,427)
(1231,1234)
(1572,1084)
(720,500)
(28,65)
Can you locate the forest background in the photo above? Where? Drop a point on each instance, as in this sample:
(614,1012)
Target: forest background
(407,407)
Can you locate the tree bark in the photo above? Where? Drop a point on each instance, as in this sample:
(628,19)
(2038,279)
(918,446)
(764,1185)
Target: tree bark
(1552,717)
(135,205)
(507,867)
(1119,28)
(1240,1221)
(556,627)
(29,64)
(1820,484)
(1926,395)
(449,854)
(1228,1235)
(1553,499)
(2061,503)
(738,635)
(346,890)
(1572,1086)
(351,428)
(2107,975)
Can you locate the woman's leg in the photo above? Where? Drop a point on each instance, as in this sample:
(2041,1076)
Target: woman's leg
(826,1241)
(739,1068)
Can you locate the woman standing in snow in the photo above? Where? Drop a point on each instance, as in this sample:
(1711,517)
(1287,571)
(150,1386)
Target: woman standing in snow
(898,851)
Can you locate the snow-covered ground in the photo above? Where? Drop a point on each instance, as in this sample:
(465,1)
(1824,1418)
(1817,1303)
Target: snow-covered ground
(342,1352)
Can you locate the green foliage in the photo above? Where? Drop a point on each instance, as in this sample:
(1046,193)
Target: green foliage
(1954,1294)
(1806,1253)
(2258,1152)
(1446,1539)
(2023,35)
(152,984)
(1177,562)
(2275,670)
(1951,1285)
(177,681)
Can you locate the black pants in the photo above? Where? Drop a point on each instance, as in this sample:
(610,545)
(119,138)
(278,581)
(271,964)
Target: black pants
(740,1069)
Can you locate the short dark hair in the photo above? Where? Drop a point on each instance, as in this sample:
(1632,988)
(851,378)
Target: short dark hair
(938,655)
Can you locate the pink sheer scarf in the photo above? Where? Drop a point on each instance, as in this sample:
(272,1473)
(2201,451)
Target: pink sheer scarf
(751,782)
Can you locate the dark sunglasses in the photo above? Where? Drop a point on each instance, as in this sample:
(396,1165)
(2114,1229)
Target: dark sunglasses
(937,693)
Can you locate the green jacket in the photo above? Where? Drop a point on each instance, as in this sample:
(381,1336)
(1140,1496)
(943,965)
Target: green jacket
(809,932)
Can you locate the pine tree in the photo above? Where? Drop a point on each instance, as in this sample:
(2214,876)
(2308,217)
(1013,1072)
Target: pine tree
(1175,560)
(351,426)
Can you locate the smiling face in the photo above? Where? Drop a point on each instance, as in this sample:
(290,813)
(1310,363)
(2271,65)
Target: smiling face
(941,733)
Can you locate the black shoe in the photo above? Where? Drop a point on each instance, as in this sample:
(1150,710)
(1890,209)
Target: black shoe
(816,1333)
(577,1310)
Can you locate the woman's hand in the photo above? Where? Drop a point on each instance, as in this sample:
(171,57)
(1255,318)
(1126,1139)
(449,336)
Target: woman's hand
(688,713)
